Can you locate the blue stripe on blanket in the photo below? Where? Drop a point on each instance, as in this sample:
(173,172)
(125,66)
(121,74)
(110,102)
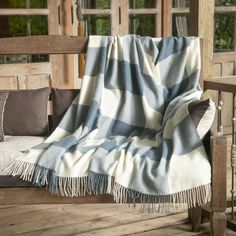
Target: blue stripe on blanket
(77,120)
(170,46)
(182,138)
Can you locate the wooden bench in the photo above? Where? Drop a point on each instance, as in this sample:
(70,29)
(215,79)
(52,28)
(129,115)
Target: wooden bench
(31,195)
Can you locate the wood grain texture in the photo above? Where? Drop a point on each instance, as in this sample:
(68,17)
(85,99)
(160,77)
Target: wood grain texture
(25,69)
(225,9)
(100,219)
(158,19)
(25,76)
(202,25)
(220,57)
(143,11)
(96,220)
(96,11)
(206,32)
(219,185)
(8,82)
(166,18)
(124,19)
(65,76)
(53,28)
(224,66)
(228,69)
(196,218)
(46,44)
(24,11)
(38,81)
(180,10)
(217,69)
(115,20)
(31,195)
(228,84)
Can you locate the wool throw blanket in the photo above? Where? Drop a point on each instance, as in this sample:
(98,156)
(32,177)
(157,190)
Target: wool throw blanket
(129,132)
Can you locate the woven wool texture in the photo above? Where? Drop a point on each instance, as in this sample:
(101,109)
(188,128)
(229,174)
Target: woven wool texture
(129,132)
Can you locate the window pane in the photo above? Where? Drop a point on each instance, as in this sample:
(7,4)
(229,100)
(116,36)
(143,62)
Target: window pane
(224,32)
(95,4)
(225,2)
(10,59)
(180,3)
(96,24)
(142,24)
(23,4)
(180,23)
(11,26)
(142,3)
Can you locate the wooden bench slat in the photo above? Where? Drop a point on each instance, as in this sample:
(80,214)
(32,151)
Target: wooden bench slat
(43,44)
(32,195)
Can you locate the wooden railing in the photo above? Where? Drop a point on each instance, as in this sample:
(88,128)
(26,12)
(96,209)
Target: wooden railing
(228,85)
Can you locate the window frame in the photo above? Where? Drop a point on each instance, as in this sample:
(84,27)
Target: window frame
(27,12)
(120,24)
(226,10)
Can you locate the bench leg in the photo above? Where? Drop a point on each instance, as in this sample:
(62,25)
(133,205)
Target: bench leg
(219,184)
(195,218)
(218,223)
(190,214)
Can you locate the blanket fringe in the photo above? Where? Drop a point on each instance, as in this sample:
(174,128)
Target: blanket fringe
(96,183)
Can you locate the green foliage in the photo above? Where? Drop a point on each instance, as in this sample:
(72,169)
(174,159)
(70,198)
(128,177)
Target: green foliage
(142,25)
(225,2)
(224,28)
(31,3)
(178,3)
(142,3)
(224,32)
(137,3)
(25,25)
(18,25)
(102,26)
(99,25)
(102,4)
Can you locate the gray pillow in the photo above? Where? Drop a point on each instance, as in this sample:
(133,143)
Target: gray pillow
(62,99)
(202,114)
(26,113)
(3,98)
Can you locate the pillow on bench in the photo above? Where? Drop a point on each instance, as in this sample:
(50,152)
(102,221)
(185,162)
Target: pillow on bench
(62,99)
(202,114)
(26,113)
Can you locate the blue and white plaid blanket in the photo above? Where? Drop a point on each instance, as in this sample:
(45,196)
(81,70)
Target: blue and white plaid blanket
(129,132)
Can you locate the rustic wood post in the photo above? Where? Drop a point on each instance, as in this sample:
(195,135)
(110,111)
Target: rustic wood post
(166,18)
(204,28)
(202,25)
(219,184)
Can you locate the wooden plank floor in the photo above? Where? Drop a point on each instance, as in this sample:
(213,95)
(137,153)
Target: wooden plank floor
(96,220)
